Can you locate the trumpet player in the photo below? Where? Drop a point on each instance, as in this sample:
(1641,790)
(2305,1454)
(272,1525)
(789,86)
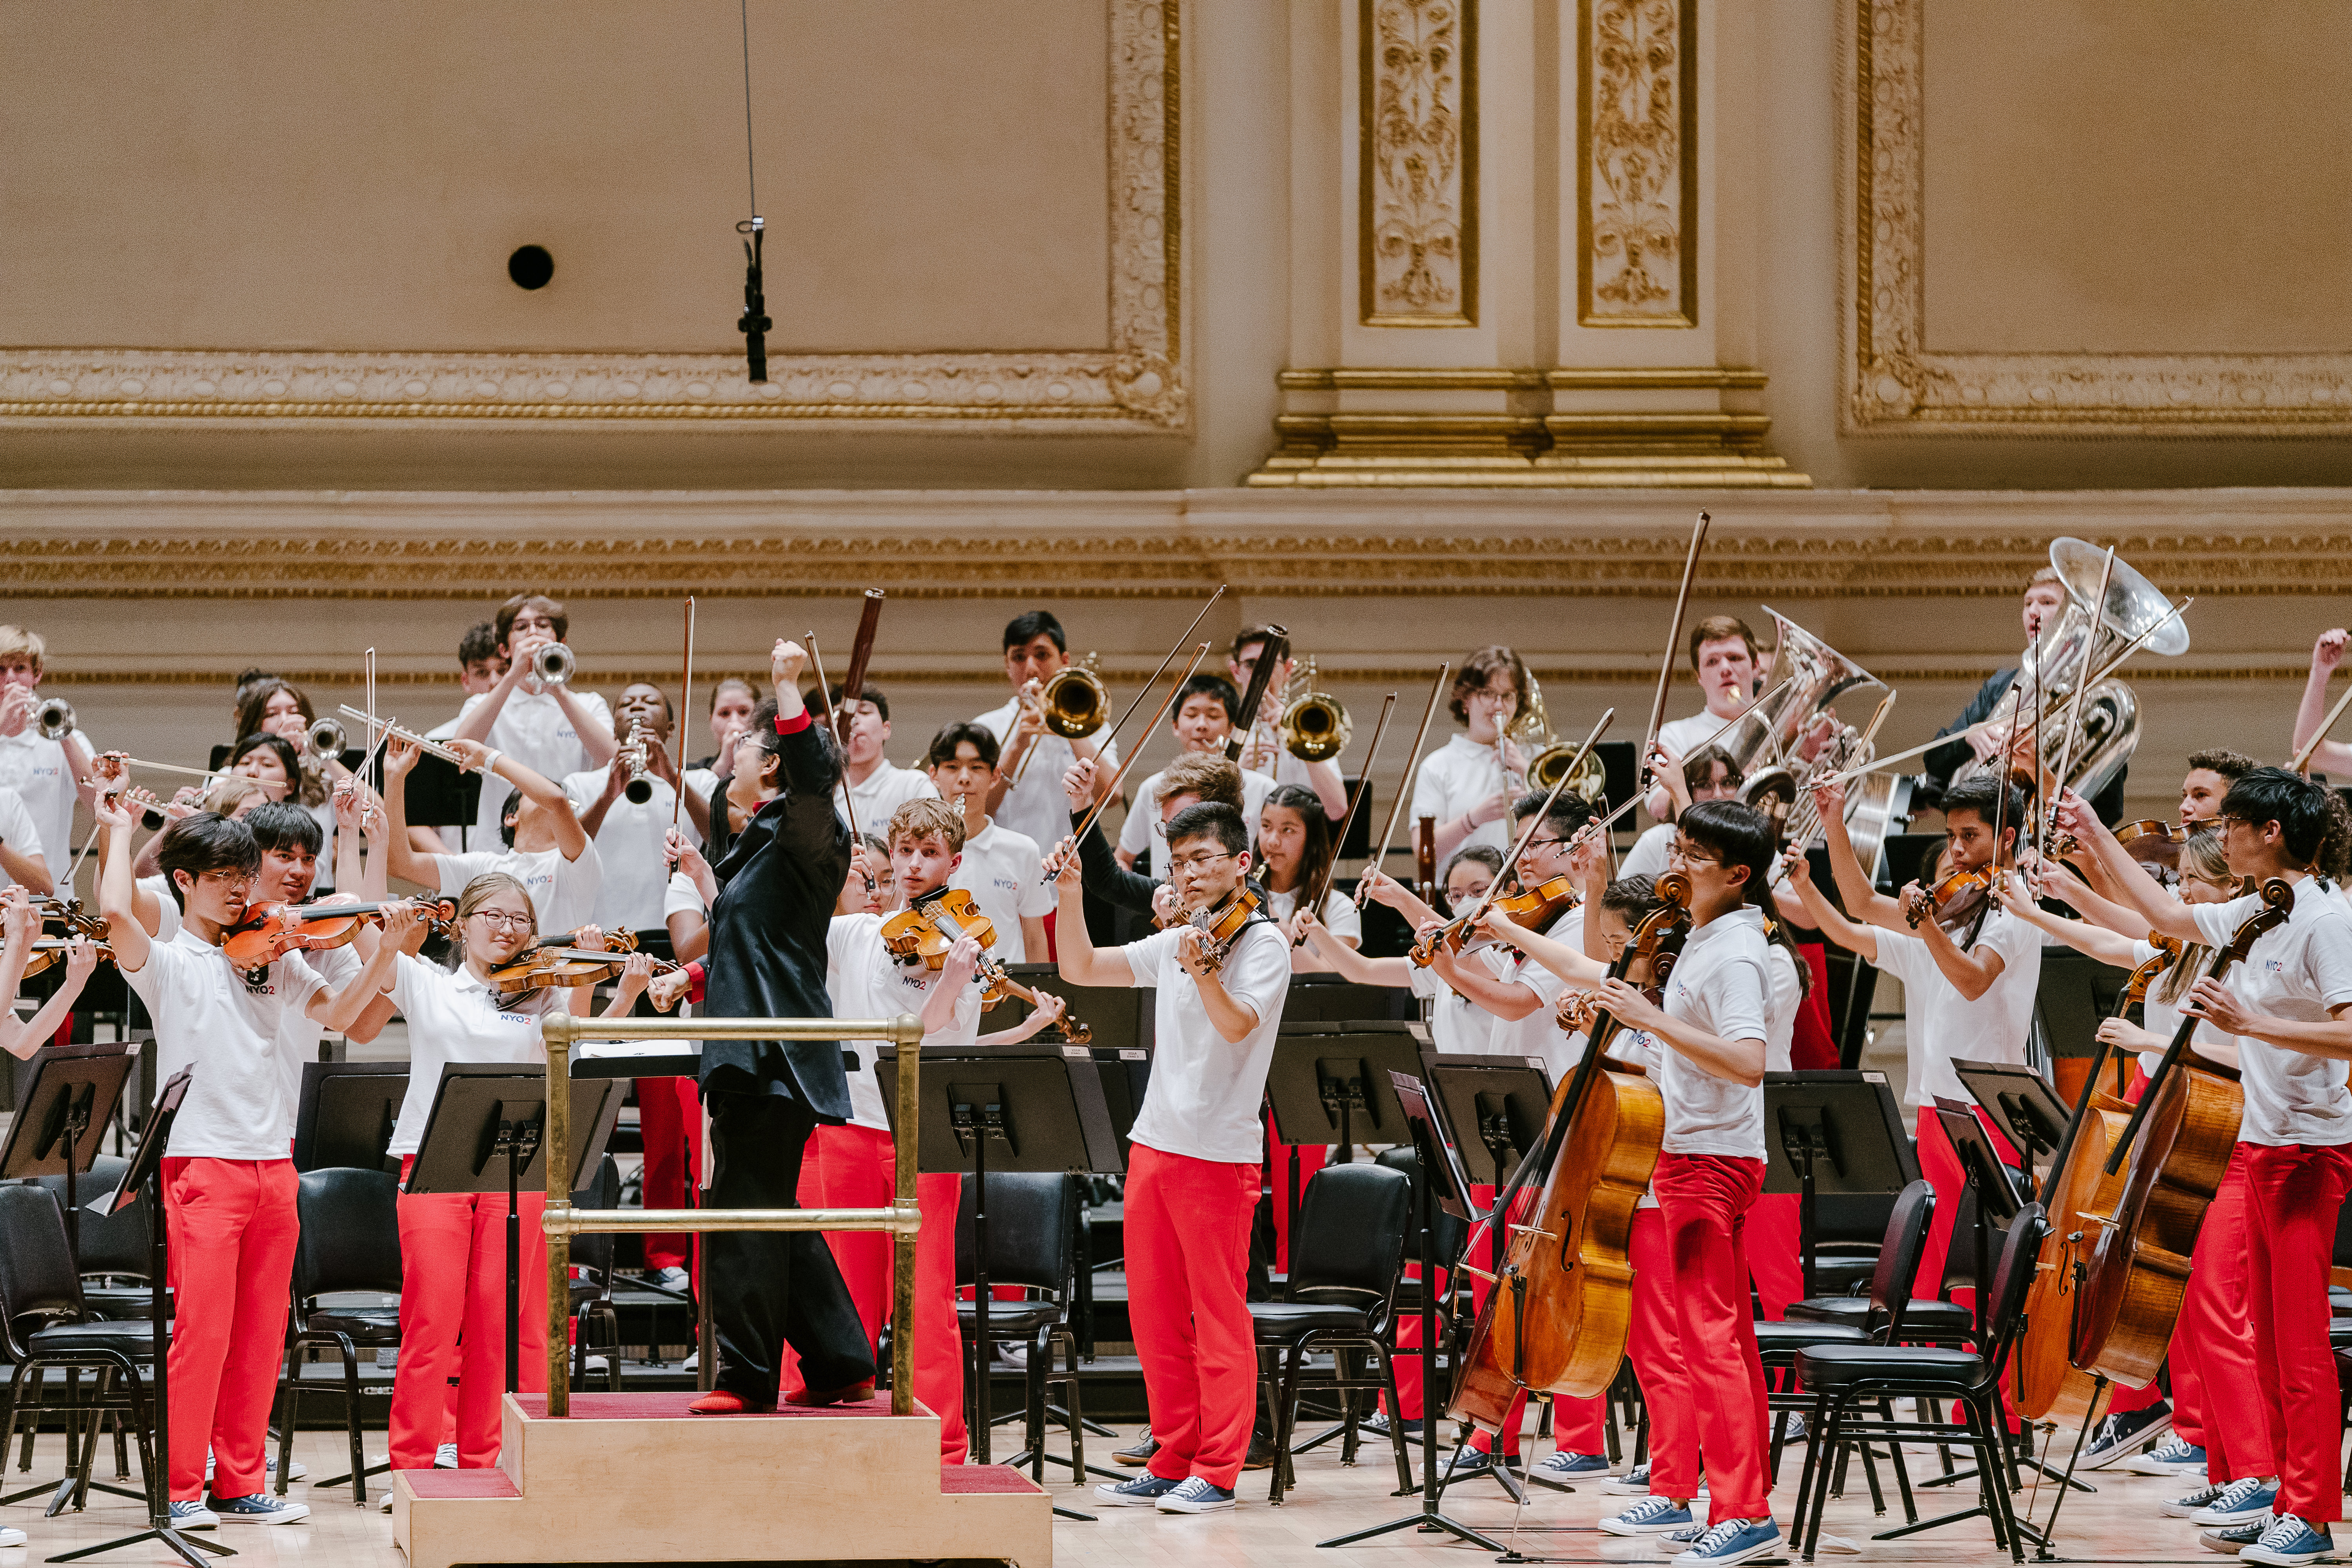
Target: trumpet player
(1201,723)
(1467,784)
(551,730)
(870,783)
(49,770)
(629,835)
(1265,752)
(1035,650)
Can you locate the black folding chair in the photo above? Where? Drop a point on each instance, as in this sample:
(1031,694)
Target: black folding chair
(351,1242)
(1033,1238)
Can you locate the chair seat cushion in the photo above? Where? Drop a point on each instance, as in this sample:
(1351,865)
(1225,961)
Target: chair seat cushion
(1926,1314)
(361,1325)
(1786,1339)
(1007,1318)
(136,1340)
(1853,1310)
(1278,1323)
(1827,1366)
(120,1300)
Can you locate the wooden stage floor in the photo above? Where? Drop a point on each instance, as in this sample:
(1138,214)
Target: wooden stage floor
(2120,1523)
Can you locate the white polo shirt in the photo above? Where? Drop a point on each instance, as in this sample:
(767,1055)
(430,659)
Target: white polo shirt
(886,789)
(1339,914)
(629,849)
(167,920)
(562,892)
(297,1036)
(454,1018)
(1455,777)
(208,1019)
(1205,1093)
(1004,873)
(38,771)
(1036,809)
(866,980)
(1539,1033)
(2296,972)
(1781,1020)
(681,896)
(22,835)
(1940,1024)
(2162,1019)
(1457,1026)
(1648,856)
(1141,832)
(1723,984)
(532,730)
(1683,736)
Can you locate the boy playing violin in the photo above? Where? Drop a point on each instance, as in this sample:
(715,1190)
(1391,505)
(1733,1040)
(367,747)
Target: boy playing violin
(1193,1178)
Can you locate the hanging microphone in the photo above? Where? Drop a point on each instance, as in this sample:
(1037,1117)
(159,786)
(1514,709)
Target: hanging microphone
(754,323)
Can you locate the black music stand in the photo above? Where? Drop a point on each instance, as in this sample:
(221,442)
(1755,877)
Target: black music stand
(1329,1083)
(484,1134)
(62,1112)
(1441,1172)
(147,1171)
(1327,999)
(2074,994)
(1020,1108)
(1837,1132)
(2022,1104)
(347,1113)
(1504,1101)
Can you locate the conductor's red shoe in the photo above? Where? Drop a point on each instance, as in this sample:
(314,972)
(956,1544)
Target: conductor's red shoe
(719,1402)
(851,1394)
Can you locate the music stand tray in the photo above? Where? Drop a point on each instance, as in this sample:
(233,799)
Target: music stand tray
(1839,1132)
(1330,1081)
(347,1113)
(1493,1108)
(62,1111)
(2022,1104)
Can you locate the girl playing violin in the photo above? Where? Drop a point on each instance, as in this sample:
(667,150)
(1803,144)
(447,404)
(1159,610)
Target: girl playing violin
(22,924)
(453,1244)
(1295,843)
(1456,1025)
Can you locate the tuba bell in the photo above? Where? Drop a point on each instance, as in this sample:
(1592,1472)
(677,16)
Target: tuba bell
(1314,728)
(1533,728)
(1815,675)
(54,718)
(553,664)
(1076,700)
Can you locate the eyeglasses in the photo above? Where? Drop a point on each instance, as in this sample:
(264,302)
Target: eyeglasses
(1678,850)
(1546,843)
(1196,862)
(503,921)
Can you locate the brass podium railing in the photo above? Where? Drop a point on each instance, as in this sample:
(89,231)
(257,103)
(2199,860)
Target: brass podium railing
(903,1218)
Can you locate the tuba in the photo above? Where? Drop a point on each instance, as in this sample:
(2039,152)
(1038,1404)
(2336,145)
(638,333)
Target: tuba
(1314,728)
(1076,700)
(1533,728)
(1762,744)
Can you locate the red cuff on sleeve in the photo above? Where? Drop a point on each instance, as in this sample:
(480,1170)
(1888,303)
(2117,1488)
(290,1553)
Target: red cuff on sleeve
(694,977)
(792,726)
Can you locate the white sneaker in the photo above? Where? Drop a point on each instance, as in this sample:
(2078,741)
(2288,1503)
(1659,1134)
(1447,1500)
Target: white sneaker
(693,1361)
(192,1515)
(261,1507)
(11,1538)
(445,1458)
(671,1278)
(597,1363)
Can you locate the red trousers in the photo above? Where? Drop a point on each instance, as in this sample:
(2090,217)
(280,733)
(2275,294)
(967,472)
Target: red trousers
(1311,1158)
(2217,1384)
(669,1115)
(2293,1194)
(232,1229)
(855,1167)
(452,1321)
(1776,1252)
(1940,1163)
(1654,1344)
(1704,1201)
(1814,1047)
(1188,1229)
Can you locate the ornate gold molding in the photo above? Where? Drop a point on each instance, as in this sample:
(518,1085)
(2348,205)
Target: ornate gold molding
(1137,384)
(1637,164)
(1417,210)
(1897,385)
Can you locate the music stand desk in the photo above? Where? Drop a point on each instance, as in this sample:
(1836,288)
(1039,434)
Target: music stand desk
(1833,1131)
(1495,1108)
(62,1112)
(2022,1104)
(347,1113)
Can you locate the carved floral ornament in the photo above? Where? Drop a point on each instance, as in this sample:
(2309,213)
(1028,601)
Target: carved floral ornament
(1637,182)
(1136,384)
(1420,162)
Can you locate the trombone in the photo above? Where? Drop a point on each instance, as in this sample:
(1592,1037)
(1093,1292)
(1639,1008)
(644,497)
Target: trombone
(1075,703)
(392,727)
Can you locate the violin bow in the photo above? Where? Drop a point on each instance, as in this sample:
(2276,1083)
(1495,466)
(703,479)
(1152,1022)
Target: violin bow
(848,806)
(1511,861)
(1673,641)
(1270,655)
(1404,785)
(2302,764)
(1112,788)
(684,707)
(1355,804)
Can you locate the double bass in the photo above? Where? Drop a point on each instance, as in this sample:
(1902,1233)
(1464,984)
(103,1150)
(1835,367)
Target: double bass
(2048,1386)
(1557,1318)
(2172,1155)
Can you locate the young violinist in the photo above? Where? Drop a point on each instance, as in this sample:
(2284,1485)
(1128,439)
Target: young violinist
(1193,1175)
(228,1180)
(1190,779)
(2083,883)
(1468,783)
(1711,1033)
(22,924)
(1263,752)
(868,780)
(49,775)
(1201,721)
(1295,843)
(547,849)
(997,866)
(1035,650)
(1457,1026)
(552,731)
(2289,1005)
(1972,987)
(453,1327)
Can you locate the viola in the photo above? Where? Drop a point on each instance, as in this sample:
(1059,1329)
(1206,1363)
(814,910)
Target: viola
(2172,1153)
(2153,842)
(68,916)
(269,932)
(1535,909)
(49,950)
(933,925)
(1558,1314)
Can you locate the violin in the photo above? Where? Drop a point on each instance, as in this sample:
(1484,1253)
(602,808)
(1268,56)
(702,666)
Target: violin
(934,924)
(68,916)
(1558,1317)
(2153,842)
(2178,1144)
(49,950)
(1221,924)
(269,932)
(1954,900)
(1535,909)
(558,964)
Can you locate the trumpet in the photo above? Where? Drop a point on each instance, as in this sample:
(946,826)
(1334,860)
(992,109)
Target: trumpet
(54,718)
(1316,727)
(639,789)
(324,742)
(392,727)
(553,664)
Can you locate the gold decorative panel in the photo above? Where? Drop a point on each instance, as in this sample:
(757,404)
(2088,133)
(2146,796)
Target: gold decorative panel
(1637,164)
(1130,378)
(1901,378)
(1418,205)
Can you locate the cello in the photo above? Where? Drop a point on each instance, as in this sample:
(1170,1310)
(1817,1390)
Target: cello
(1557,1318)
(2046,1382)
(2178,1144)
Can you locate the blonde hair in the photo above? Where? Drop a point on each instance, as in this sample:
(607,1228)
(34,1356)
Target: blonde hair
(928,816)
(15,641)
(2202,858)
(231,791)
